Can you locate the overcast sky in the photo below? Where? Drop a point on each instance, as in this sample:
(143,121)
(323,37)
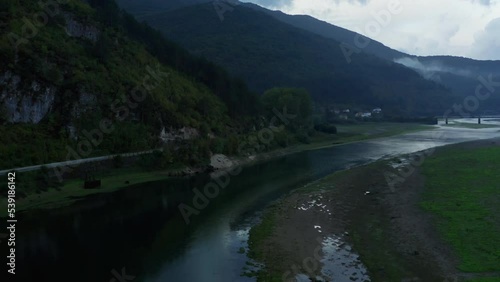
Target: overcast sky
(469,28)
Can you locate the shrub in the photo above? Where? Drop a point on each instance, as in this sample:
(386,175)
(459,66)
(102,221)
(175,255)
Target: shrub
(326,128)
(118,161)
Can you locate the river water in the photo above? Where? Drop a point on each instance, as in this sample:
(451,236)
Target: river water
(140,231)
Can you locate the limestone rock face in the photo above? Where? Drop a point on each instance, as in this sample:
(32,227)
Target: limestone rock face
(220,161)
(24,105)
(75,28)
(29,101)
(185,133)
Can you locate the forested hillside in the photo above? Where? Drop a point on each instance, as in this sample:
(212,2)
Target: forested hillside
(458,73)
(67,67)
(267,52)
(142,9)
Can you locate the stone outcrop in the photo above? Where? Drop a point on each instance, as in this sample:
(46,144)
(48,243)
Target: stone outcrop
(76,29)
(185,133)
(20,104)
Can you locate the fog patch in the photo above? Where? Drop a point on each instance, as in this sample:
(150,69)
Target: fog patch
(431,70)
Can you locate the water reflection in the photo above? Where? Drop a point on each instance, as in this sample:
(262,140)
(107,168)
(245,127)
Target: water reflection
(340,262)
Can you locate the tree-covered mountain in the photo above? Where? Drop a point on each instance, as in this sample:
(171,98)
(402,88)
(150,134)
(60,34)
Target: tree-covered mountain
(142,9)
(267,53)
(376,48)
(331,31)
(458,73)
(70,67)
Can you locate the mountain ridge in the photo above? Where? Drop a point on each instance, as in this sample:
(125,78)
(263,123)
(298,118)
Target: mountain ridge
(460,75)
(266,51)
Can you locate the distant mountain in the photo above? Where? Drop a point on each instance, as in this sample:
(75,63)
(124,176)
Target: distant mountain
(374,47)
(460,65)
(325,29)
(142,9)
(267,52)
(331,31)
(458,73)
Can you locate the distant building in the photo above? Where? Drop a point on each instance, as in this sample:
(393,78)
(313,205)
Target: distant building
(377,110)
(364,115)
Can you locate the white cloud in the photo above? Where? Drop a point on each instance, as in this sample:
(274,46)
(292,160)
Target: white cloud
(424,27)
(487,42)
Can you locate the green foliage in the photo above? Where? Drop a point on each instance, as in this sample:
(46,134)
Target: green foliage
(462,192)
(326,128)
(42,179)
(233,92)
(256,242)
(282,139)
(217,145)
(3,115)
(127,59)
(267,53)
(303,137)
(29,144)
(153,160)
(484,279)
(102,48)
(295,105)
(188,152)
(117,161)
(232,145)
(32,182)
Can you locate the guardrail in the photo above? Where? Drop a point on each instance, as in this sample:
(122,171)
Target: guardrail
(75,162)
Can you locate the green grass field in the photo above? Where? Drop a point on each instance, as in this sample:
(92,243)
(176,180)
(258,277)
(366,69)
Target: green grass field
(463,192)
(73,191)
(485,279)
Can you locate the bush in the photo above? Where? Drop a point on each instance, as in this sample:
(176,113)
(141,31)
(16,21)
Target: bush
(117,161)
(217,145)
(232,145)
(302,137)
(281,139)
(326,128)
(152,160)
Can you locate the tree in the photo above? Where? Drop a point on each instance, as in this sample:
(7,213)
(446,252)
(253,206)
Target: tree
(102,48)
(296,103)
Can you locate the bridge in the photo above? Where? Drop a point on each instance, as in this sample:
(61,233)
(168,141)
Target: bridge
(479,118)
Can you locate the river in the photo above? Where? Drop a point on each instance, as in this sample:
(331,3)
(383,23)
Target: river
(140,231)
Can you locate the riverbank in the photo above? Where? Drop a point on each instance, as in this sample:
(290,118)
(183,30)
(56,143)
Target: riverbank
(348,133)
(430,227)
(115,179)
(72,191)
